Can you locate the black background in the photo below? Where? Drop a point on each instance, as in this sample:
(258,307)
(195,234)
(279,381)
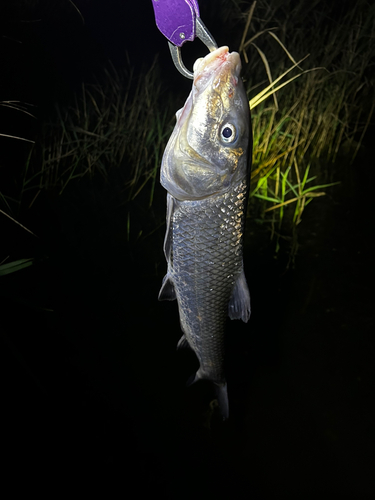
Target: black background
(94,391)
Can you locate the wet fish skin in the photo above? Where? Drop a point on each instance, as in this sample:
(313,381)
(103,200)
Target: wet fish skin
(207,178)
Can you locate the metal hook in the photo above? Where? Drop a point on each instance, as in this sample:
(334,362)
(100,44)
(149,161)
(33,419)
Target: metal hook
(204,35)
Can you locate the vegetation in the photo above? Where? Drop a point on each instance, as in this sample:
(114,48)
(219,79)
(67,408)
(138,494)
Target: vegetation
(108,126)
(319,115)
(306,111)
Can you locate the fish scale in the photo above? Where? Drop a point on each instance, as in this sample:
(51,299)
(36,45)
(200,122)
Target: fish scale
(206,261)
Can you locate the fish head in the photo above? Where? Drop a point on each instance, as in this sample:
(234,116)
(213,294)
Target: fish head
(208,151)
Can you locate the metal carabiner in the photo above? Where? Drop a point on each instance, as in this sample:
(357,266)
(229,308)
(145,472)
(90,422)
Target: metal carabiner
(204,35)
(180,22)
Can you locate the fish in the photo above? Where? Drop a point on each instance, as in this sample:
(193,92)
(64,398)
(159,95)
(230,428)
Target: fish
(206,172)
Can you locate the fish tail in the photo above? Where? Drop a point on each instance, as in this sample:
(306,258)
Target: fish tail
(222,397)
(220,390)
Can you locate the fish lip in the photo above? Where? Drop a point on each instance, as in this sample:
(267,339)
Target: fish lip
(217,56)
(215,62)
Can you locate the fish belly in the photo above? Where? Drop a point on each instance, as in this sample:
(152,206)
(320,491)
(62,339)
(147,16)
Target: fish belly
(205,263)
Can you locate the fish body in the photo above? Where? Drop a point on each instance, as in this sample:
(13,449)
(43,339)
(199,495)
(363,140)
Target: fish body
(205,170)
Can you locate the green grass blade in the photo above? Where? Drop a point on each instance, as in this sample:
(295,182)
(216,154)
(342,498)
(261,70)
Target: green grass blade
(16,265)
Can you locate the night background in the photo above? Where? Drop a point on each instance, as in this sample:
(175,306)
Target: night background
(92,386)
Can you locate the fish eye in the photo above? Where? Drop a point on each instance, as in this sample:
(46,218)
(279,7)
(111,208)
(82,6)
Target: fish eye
(228,133)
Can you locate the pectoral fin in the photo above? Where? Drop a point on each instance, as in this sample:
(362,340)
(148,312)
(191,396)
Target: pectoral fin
(239,304)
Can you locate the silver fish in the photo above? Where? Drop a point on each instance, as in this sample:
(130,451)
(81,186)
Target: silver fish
(205,169)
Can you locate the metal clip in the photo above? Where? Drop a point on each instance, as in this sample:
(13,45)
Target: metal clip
(204,35)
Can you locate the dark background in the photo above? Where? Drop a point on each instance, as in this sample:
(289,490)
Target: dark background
(92,388)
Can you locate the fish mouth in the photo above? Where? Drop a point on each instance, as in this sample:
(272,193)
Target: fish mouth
(213,69)
(218,62)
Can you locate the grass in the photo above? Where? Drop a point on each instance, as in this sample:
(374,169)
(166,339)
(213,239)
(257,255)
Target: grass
(320,113)
(308,70)
(14,266)
(117,124)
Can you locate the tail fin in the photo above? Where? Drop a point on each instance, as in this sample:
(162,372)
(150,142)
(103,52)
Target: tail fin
(222,397)
(220,390)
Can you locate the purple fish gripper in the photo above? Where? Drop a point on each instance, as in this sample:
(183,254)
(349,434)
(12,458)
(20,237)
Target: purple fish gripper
(176,19)
(179,22)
